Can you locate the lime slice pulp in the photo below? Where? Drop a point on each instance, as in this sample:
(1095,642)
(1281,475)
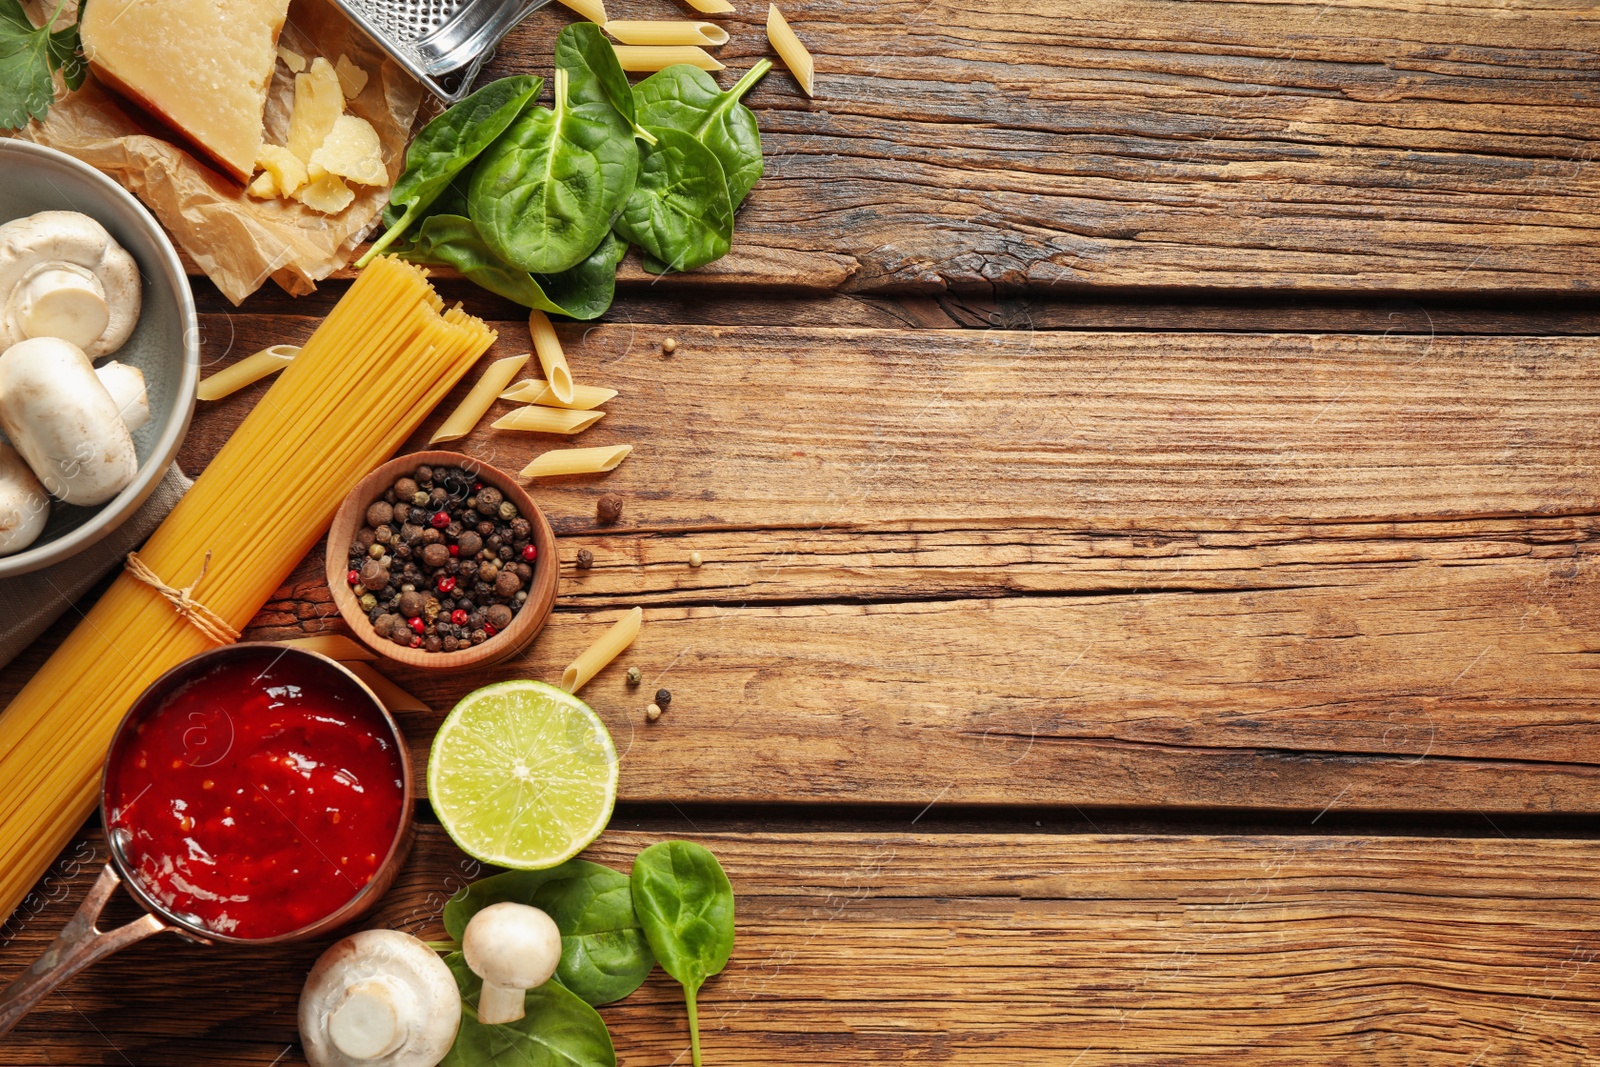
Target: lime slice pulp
(523,775)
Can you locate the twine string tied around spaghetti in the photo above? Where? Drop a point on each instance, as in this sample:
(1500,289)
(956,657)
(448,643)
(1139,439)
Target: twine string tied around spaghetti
(183,602)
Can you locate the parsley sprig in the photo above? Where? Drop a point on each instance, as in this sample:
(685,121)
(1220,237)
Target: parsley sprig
(28,57)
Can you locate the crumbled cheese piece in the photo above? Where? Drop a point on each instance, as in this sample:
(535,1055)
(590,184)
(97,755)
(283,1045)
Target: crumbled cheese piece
(201,66)
(288,173)
(265,187)
(352,150)
(352,79)
(293,60)
(328,194)
(318,103)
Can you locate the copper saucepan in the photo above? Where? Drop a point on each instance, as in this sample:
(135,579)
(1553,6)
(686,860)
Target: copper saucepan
(81,943)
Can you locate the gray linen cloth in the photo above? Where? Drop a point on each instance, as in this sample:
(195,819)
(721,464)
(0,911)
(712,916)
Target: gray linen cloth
(34,601)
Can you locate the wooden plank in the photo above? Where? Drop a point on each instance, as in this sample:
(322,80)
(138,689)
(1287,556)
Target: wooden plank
(809,428)
(1063,144)
(984,949)
(1214,570)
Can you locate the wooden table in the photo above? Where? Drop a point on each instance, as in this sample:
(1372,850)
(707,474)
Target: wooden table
(1145,461)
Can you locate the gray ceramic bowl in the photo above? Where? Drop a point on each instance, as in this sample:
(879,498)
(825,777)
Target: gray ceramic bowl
(165,344)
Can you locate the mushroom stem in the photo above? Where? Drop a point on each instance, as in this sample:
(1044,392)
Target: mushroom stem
(62,301)
(367,1023)
(500,1004)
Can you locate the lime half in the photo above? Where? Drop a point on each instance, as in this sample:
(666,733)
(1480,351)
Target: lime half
(523,775)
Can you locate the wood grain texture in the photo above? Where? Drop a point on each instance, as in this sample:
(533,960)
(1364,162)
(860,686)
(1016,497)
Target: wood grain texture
(984,949)
(1001,567)
(1062,144)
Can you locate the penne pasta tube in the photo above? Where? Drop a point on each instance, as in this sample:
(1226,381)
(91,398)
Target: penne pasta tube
(563,461)
(610,645)
(593,10)
(639,58)
(476,404)
(551,357)
(536,419)
(247,371)
(711,7)
(662,31)
(790,50)
(334,646)
(389,695)
(535,391)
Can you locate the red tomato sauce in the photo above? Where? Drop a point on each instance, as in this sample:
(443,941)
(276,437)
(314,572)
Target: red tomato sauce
(256,802)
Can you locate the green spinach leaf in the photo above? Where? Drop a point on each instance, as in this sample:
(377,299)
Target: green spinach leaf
(559,1030)
(446,146)
(586,291)
(28,57)
(679,212)
(686,99)
(685,904)
(604,954)
(452,241)
(589,60)
(546,192)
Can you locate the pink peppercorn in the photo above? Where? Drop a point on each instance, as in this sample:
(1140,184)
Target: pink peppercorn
(416,642)
(459,617)
(447,584)
(417,625)
(489,630)
(354,577)
(455,550)
(440,520)
(530,553)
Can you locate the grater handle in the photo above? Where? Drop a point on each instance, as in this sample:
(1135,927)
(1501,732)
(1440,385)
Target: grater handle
(468,38)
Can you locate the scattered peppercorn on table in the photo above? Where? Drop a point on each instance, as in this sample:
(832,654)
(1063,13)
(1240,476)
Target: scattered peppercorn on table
(1114,546)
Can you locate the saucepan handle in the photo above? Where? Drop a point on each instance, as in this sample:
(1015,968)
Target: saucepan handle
(78,945)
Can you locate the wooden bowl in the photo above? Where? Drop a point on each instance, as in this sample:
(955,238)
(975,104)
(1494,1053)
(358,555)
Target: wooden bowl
(527,622)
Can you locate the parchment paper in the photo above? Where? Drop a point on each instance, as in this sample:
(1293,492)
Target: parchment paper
(237,240)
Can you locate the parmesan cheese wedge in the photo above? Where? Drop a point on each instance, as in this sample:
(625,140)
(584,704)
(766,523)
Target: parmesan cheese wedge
(201,66)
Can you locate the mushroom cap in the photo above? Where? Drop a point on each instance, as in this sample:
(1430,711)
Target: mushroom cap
(62,275)
(511,944)
(379,998)
(60,416)
(24,505)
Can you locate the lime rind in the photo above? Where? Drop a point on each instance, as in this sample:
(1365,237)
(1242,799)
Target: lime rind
(523,775)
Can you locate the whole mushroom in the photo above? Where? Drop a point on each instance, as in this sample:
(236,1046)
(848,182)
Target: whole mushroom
(513,948)
(63,420)
(379,998)
(62,275)
(24,505)
(126,386)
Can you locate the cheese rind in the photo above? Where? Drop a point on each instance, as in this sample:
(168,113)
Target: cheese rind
(213,94)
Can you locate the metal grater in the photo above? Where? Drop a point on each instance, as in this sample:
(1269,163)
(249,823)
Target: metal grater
(442,43)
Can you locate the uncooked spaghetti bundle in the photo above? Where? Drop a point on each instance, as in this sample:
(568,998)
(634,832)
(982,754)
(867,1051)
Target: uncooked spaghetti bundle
(380,362)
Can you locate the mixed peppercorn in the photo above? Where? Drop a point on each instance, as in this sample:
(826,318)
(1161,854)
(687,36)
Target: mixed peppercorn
(443,561)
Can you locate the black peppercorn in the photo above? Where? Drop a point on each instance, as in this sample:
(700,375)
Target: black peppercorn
(411,533)
(505,553)
(437,496)
(479,637)
(424,475)
(450,644)
(433,643)
(585,559)
(485,528)
(521,529)
(663,697)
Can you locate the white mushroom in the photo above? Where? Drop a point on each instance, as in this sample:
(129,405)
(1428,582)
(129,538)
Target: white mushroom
(62,275)
(513,948)
(126,386)
(62,419)
(379,998)
(24,505)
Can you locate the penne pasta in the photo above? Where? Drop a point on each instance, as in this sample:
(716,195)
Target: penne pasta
(334,646)
(476,404)
(610,645)
(389,695)
(564,461)
(536,419)
(551,357)
(247,371)
(535,391)
(639,58)
(655,31)
(593,10)
(790,50)
(711,7)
